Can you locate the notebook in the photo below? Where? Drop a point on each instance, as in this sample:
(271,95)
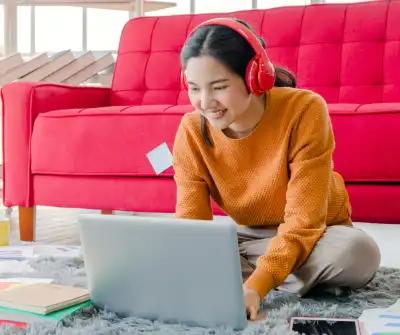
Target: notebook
(43,298)
(14,315)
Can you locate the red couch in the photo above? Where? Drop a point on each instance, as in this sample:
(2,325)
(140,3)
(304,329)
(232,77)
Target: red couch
(85,147)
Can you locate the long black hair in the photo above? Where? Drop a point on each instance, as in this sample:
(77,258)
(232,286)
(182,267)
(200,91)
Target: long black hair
(230,48)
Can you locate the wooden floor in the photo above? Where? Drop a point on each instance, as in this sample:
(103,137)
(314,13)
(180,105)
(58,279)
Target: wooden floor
(59,226)
(53,226)
(56,225)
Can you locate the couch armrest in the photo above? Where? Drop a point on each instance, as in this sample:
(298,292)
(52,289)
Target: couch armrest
(22,102)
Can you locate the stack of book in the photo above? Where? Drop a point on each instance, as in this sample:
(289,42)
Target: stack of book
(22,303)
(28,300)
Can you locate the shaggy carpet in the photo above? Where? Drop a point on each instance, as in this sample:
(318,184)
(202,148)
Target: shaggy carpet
(383,291)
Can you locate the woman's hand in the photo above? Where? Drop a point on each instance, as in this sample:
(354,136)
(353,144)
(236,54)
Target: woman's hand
(252,301)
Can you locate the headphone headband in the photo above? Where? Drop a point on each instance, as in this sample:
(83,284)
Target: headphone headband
(260,73)
(242,30)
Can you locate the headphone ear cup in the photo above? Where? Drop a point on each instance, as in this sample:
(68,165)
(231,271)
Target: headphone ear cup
(252,76)
(266,76)
(183,81)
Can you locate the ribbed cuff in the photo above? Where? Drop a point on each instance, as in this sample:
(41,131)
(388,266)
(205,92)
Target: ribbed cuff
(261,282)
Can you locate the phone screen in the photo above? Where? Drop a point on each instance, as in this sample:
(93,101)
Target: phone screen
(323,326)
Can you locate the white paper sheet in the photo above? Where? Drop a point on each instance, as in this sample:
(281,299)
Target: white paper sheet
(16,252)
(27,280)
(68,251)
(17,267)
(160,158)
(381,320)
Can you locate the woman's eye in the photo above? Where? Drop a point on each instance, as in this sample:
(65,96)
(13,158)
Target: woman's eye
(194,89)
(219,88)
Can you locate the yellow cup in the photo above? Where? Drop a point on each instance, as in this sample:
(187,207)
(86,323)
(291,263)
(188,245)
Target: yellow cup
(4,232)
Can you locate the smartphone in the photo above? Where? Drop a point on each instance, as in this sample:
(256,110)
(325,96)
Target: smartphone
(325,326)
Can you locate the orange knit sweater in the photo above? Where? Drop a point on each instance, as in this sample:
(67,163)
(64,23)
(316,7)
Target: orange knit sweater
(280,176)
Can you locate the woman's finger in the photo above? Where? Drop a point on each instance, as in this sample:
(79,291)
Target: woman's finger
(253,313)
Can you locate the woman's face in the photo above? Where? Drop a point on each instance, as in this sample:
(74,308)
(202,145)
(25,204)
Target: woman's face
(216,92)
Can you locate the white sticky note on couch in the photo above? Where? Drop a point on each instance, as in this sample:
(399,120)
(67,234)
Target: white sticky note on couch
(160,158)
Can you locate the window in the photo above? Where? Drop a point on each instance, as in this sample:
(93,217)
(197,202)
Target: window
(104,27)
(182,7)
(220,6)
(2,51)
(58,28)
(24,29)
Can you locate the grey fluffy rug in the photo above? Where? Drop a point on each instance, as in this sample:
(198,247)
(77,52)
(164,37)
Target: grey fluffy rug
(383,291)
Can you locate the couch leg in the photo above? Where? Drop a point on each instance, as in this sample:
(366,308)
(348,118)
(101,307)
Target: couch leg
(107,212)
(27,216)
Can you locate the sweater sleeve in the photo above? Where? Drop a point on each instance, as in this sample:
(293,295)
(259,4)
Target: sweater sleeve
(310,171)
(193,195)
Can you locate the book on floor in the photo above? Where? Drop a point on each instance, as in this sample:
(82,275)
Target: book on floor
(43,298)
(14,315)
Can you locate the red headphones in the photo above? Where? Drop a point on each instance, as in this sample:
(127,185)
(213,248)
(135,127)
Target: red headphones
(260,73)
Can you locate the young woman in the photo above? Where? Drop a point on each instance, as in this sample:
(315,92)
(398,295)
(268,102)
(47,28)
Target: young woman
(262,149)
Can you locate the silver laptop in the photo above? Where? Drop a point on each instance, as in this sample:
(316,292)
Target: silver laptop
(166,269)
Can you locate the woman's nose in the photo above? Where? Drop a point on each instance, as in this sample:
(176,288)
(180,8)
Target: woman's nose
(206,101)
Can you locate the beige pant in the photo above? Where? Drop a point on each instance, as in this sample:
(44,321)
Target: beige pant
(343,257)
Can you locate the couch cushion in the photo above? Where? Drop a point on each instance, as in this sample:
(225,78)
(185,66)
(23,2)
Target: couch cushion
(367,141)
(103,141)
(115,140)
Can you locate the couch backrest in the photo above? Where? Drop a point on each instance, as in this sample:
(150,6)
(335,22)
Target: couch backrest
(349,53)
